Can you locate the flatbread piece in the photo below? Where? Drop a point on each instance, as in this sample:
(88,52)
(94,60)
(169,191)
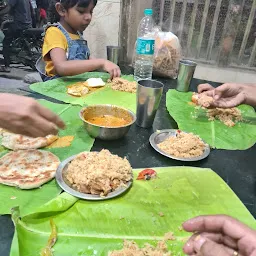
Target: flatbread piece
(28,169)
(20,142)
(78,89)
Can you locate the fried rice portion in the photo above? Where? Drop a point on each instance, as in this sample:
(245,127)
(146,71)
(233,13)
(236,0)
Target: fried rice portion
(186,145)
(98,173)
(228,116)
(202,99)
(120,84)
(132,249)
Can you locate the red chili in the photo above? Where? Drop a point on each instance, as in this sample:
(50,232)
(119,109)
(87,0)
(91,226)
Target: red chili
(147,174)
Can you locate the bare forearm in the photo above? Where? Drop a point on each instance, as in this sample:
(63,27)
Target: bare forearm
(250,92)
(75,67)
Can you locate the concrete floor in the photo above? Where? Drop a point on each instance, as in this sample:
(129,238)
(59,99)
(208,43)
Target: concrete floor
(8,85)
(14,81)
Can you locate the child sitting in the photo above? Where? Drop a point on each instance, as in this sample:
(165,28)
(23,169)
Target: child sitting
(65,52)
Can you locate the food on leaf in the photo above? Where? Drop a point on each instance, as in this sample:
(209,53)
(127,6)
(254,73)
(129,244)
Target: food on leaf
(78,89)
(94,82)
(28,169)
(228,116)
(147,174)
(21,142)
(123,85)
(62,142)
(131,248)
(202,99)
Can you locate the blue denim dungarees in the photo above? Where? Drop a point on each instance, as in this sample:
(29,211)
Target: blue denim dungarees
(77,50)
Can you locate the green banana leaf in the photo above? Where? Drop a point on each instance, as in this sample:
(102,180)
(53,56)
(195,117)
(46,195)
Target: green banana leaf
(109,96)
(94,228)
(57,89)
(74,126)
(239,137)
(28,200)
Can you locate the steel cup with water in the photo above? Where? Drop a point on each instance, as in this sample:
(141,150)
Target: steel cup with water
(149,94)
(186,72)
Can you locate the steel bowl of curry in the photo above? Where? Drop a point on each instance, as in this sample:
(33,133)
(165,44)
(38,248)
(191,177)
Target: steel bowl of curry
(107,122)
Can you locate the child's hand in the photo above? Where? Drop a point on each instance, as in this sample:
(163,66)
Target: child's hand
(112,69)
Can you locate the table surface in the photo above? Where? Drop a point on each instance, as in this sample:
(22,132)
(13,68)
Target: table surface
(231,166)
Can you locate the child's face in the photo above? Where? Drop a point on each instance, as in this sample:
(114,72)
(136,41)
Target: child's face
(78,18)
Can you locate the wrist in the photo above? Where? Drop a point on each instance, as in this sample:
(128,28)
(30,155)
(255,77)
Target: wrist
(102,63)
(249,91)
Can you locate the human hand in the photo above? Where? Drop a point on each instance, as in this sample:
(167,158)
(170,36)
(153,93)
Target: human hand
(204,88)
(219,235)
(225,96)
(112,69)
(26,116)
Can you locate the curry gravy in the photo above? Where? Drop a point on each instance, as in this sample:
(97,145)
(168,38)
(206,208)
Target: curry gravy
(108,121)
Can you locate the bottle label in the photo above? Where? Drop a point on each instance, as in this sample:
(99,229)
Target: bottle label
(145,46)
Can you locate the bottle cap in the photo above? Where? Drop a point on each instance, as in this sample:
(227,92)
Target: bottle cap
(148,12)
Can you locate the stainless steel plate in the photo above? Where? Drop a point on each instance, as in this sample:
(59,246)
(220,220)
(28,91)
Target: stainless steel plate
(64,184)
(162,135)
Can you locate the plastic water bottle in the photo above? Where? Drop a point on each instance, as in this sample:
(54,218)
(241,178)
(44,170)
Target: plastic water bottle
(145,47)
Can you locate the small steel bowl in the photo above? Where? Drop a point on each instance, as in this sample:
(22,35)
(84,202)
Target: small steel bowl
(105,132)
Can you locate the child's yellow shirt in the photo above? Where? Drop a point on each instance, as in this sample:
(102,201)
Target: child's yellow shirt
(54,38)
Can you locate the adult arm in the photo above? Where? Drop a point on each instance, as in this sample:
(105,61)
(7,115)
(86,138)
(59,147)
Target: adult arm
(26,116)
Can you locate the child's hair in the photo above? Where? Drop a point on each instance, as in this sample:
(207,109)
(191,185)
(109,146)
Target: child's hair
(53,15)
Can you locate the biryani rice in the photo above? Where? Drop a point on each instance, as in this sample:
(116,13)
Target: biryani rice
(98,173)
(228,116)
(185,145)
(120,84)
(131,248)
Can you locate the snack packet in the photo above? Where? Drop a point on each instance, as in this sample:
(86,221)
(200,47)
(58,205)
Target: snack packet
(167,55)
